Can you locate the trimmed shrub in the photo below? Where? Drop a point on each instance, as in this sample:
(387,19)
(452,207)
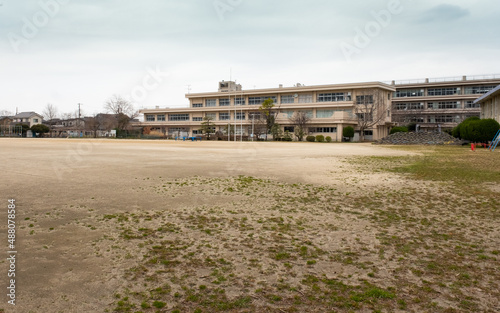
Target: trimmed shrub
(348,132)
(311,138)
(477,130)
(320,138)
(399,129)
(328,139)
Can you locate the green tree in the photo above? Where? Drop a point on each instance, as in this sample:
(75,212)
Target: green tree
(267,108)
(40,129)
(477,130)
(207,126)
(277,132)
(348,132)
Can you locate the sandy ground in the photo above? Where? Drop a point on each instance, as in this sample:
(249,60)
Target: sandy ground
(63,188)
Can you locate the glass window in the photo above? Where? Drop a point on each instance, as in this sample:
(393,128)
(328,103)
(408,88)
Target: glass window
(288,114)
(444,105)
(224,102)
(239,101)
(259,100)
(150,118)
(333,97)
(288,99)
(306,98)
(409,106)
(178,117)
(240,115)
(323,130)
(403,93)
(224,117)
(474,90)
(443,91)
(324,113)
(160,118)
(197,119)
(444,119)
(254,115)
(213,116)
(289,129)
(471,105)
(211,102)
(197,105)
(368,99)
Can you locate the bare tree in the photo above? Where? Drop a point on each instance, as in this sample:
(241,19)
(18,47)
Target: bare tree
(371,109)
(94,124)
(50,112)
(300,120)
(118,105)
(123,109)
(5,113)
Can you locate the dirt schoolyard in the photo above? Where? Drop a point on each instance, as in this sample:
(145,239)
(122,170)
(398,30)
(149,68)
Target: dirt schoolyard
(171,226)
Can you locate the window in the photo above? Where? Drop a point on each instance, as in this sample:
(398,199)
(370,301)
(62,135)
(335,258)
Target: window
(160,118)
(259,100)
(178,117)
(177,131)
(367,117)
(197,105)
(409,106)
(240,116)
(444,119)
(333,97)
(224,102)
(213,116)
(289,129)
(150,118)
(324,113)
(239,101)
(306,98)
(254,115)
(288,99)
(444,105)
(403,93)
(368,99)
(323,130)
(443,91)
(35,120)
(197,132)
(368,132)
(211,102)
(197,119)
(224,117)
(471,105)
(474,90)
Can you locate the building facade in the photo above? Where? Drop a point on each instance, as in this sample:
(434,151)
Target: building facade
(435,104)
(490,104)
(330,108)
(28,118)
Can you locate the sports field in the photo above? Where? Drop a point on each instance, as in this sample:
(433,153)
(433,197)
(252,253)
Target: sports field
(166,226)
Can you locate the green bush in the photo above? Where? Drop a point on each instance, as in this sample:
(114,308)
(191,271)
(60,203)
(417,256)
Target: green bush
(399,129)
(348,132)
(476,130)
(320,138)
(328,139)
(311,138)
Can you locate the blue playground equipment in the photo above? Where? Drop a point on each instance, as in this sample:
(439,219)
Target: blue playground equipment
(495,141)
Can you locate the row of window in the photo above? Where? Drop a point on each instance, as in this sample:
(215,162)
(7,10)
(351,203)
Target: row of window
(285,99)
(448,91)
(407,106)
(433,119)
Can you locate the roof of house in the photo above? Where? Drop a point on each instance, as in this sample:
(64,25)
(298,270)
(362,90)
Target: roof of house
(488,95)
(26,115)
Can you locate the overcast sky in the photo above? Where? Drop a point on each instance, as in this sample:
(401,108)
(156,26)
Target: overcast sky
(67,52)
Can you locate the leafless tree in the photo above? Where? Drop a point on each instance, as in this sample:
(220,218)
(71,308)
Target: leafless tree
(371,109)
(300,120)
(118,105)
(50,112)
(94,124)
(5,113)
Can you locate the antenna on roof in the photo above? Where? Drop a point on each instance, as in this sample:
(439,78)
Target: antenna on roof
(189,89)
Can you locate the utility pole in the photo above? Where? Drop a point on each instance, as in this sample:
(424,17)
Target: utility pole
(79,114)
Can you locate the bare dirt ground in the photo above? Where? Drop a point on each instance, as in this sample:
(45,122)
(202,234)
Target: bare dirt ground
(165,226)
